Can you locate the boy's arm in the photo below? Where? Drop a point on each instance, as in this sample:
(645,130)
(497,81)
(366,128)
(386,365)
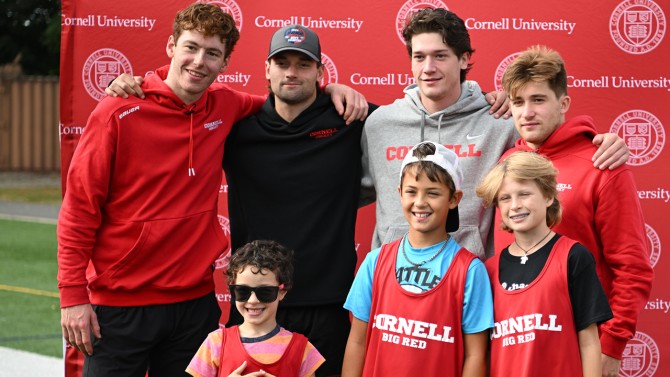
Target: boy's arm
(205,362)
(475,346)
(367,194)
(125,84)
(354,354)
(344,96)
(87,186)
(349,103)
(589,350)
(612,151)
(621,229)
(499,102)
(610,366)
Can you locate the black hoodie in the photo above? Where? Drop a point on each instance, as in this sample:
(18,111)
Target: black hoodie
(298,183)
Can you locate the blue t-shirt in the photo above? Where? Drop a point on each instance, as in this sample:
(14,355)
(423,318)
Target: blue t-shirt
(478,300)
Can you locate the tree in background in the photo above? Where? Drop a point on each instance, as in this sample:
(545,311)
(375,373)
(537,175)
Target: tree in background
(30,30)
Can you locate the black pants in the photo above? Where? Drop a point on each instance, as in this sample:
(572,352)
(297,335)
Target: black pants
(326,326)
(159,338)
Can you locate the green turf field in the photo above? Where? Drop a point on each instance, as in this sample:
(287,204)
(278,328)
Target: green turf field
(46,195)
(29,308)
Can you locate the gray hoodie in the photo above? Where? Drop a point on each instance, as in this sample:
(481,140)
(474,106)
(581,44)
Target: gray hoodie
(466,127)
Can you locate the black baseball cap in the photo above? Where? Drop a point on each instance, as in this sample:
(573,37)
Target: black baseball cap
(296,38)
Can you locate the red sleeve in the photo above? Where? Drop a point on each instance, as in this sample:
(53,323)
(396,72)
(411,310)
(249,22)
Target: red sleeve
(248,104)
(621,226)
(80,214)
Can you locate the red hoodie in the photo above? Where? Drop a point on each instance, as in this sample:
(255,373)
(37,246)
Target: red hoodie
(132,206)
(601,210)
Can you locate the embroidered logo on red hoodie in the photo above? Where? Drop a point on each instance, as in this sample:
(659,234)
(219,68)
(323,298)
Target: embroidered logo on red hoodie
(563,187)
(211,126)
(129,111)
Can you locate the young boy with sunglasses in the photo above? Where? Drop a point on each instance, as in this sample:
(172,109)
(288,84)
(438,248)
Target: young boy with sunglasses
(259,276)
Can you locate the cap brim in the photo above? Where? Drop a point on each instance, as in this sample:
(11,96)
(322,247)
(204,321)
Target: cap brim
(452,220)
(296,50)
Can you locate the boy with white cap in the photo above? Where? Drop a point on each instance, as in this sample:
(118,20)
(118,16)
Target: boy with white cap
(423,302)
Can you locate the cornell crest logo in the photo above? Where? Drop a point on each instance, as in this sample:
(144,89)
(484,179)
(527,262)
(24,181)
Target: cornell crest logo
(655,242)
(643,133)
(329,70)
(640,357)
(409,8)
(230,7)
(100,68)
(222,261)
(637,26)
(500,71)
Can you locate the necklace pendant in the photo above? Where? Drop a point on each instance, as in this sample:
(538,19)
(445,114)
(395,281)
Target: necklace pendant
(524,259)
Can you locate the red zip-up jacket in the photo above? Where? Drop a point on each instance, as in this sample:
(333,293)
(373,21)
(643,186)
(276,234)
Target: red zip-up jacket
(141,198)
(601,211)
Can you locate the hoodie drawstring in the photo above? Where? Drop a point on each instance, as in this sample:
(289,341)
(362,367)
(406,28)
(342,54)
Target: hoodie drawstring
(439,127)
(423,124)
(191,170)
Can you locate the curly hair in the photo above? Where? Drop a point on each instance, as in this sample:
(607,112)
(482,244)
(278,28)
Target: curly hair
(444,22)
(210,20)
(263,255)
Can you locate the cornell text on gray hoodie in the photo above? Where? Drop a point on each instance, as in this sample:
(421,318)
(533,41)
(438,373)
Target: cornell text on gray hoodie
(466,127)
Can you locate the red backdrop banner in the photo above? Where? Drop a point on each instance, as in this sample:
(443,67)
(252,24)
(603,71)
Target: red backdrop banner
(616,55)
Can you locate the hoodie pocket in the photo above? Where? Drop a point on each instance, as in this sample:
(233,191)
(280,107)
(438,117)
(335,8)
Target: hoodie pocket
(170,254)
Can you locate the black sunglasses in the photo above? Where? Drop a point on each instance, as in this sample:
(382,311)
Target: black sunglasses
(265,293)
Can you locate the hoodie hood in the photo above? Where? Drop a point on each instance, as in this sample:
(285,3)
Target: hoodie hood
(470,100)
(274,123)
(155,86)
(158,91)
(565,138)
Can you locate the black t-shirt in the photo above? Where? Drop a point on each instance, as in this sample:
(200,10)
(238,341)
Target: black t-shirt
(589,302)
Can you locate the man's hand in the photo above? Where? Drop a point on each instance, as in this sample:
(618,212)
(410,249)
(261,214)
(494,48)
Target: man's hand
(238,372)
(499,104)
(612,151)
(124,85)
(355,102)
(77,323)
(610,366)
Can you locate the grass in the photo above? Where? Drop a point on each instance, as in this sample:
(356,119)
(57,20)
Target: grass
(29,313)
(42,195)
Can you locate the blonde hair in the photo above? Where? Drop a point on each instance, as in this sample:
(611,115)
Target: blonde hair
(523,166)
(536,64)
